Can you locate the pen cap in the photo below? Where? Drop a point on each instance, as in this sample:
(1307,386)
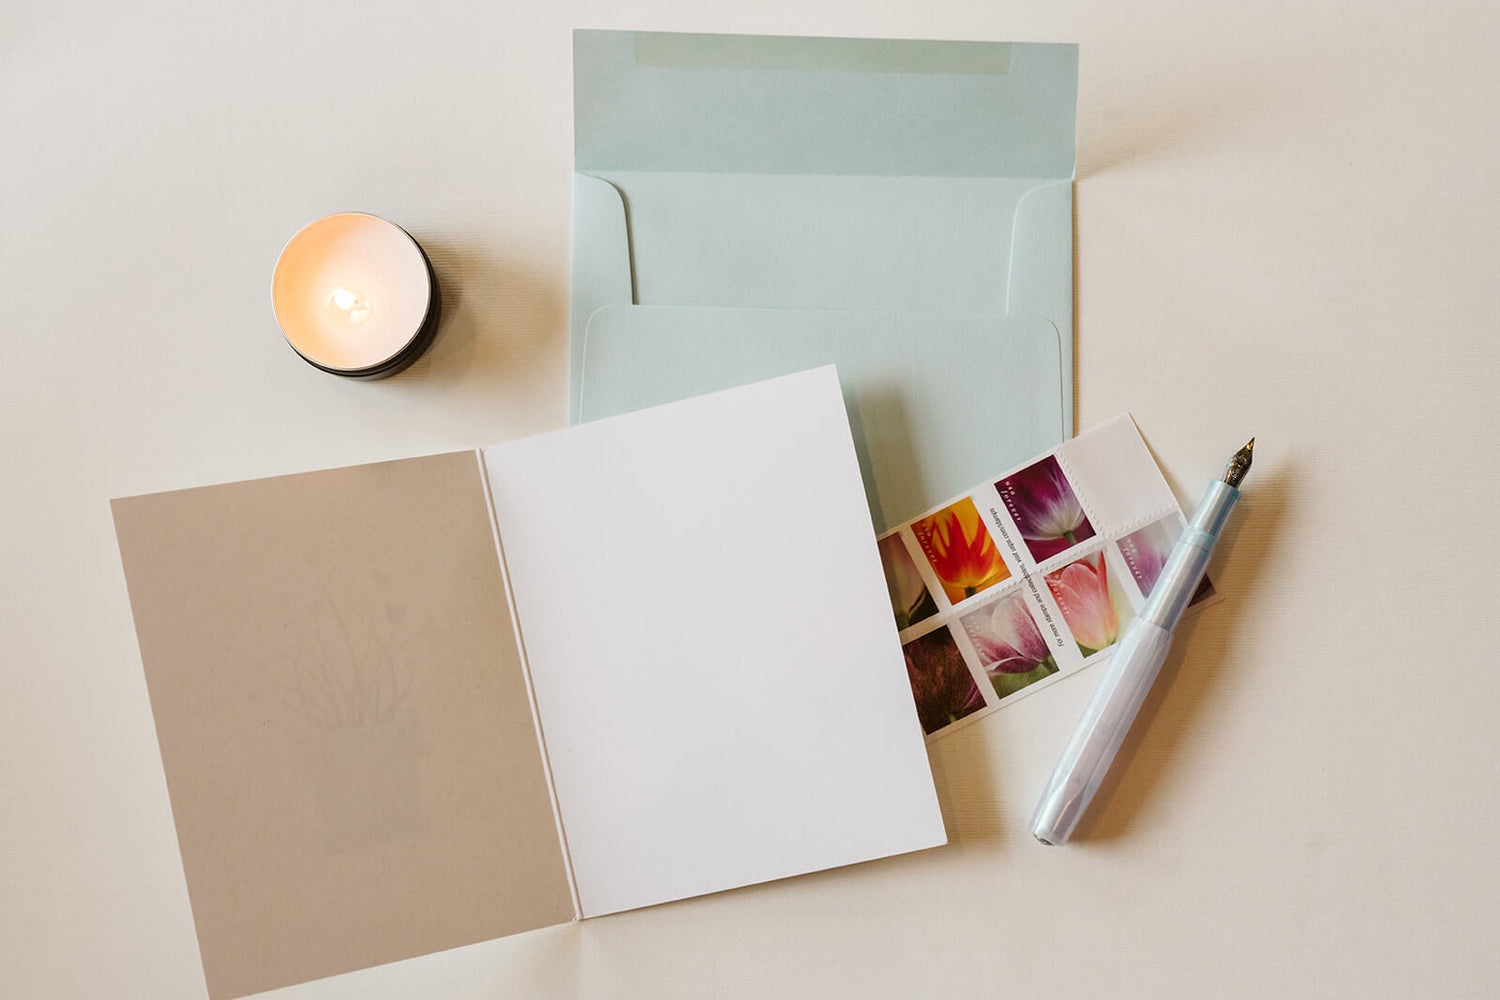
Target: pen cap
(1096,739)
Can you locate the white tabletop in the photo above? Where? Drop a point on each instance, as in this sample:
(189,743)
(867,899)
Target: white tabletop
(1287,221)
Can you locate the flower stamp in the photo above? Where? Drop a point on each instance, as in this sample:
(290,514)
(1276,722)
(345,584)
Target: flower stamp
(1010,646)
(1045,508)
(909,597)
(1145,553)
(940,680)
(1091,602)
(960,549)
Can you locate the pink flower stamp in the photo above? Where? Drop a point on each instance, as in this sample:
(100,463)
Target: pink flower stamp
(1092,604)
(1009,644)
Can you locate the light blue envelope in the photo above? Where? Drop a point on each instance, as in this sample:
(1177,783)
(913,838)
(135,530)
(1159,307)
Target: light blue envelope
(821,177)
(922,419)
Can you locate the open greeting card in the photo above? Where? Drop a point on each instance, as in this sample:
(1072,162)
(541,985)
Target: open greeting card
(417,704)
(1031,575)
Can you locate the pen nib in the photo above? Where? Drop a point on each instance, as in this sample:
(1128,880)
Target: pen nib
(1239,465)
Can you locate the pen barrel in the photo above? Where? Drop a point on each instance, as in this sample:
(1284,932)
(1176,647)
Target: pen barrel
(1130,673)
(1183,572)
(1096,739)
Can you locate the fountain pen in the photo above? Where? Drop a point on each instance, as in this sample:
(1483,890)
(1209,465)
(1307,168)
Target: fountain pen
(1137,659)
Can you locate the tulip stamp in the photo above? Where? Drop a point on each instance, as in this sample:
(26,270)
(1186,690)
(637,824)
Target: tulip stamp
(960,550)
(1145,552)
(910,598)
(1045,508)
(940,681)
(1092,602)
(1009,645)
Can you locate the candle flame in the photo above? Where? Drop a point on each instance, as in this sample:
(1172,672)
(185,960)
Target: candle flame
(349,306)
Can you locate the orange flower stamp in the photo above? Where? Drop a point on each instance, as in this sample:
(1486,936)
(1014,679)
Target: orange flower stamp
(960,549)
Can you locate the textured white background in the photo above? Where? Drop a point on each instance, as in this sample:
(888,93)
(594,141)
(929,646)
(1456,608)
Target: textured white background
(1287,219)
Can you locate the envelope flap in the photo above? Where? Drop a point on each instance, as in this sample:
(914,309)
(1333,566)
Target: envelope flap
(767,104)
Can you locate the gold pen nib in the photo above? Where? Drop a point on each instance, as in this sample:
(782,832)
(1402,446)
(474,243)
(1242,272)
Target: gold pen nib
(1239,465)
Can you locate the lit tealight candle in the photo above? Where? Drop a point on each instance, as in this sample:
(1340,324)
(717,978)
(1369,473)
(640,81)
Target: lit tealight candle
(355,296)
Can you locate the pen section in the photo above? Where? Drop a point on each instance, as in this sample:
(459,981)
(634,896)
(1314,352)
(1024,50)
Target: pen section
(1030,576)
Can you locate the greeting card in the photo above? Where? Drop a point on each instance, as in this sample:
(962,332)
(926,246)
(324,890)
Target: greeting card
(417,704)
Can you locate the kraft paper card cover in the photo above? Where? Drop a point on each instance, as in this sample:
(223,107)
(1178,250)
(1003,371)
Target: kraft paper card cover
(746,206)
(417,704)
